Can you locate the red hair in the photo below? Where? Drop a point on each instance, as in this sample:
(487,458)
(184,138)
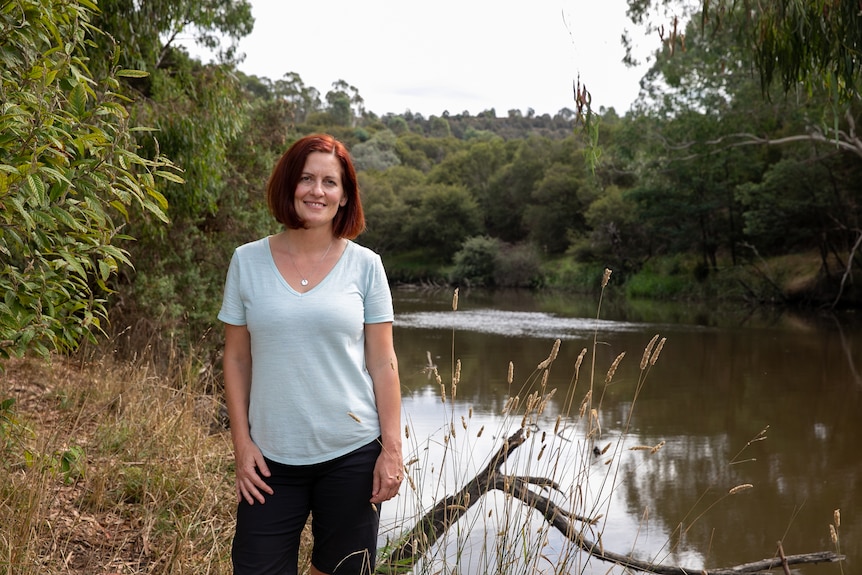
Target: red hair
(349,221)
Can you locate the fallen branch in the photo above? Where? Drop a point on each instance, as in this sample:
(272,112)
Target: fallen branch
(446,512)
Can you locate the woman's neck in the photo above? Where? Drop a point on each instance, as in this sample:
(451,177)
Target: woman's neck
(306,242)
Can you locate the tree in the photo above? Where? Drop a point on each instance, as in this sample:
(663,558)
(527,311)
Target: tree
(813,51)
(378,153)
(509,191)
(344,104)
(444,217)
(304,100)
(70,173)
(198,111)
(146,31)
(559,201)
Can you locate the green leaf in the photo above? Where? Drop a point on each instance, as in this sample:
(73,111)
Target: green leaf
(105,270)
(127,73)
(120,207)
(176,178)
(67,219)
(74,264)
(78,100)
(37,189)
(24,213)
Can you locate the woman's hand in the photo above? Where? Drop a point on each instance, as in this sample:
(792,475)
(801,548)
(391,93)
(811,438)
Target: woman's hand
(250,470)
(388,475)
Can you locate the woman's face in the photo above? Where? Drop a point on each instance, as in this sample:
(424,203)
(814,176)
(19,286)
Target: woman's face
(319,192)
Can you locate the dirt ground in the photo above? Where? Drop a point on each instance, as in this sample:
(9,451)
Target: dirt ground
(66,535)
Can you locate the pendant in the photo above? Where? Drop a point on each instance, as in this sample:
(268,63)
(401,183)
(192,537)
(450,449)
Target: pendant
(303,282)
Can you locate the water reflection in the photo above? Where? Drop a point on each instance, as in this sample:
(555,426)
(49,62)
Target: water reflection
(515,323)
(716,387)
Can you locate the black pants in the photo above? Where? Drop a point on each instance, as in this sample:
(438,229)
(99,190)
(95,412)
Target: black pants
(344,522)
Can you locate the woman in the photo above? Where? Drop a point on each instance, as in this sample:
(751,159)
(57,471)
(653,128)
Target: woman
(311,377)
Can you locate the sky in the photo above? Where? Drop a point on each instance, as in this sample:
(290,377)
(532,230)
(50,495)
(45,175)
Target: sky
(449,55)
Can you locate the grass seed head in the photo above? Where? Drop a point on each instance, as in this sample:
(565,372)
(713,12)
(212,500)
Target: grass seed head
(657,351)
(740,488)
(583,409)
(555,350)
(648,351)
(613,369)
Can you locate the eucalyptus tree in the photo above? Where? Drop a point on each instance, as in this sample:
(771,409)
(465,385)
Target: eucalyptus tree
(197,111)
(344,105)
(811,43)
(804,103)
(71,173)
(304,100)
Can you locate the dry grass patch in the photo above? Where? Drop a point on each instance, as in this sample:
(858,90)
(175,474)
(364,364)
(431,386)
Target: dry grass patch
(110,468)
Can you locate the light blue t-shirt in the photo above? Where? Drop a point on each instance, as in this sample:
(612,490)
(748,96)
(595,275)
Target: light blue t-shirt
(312,398)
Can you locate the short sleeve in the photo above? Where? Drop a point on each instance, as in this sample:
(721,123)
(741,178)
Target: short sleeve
(378,297)
(232,308)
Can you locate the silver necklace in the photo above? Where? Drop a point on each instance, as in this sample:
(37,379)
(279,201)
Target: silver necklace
(303,279)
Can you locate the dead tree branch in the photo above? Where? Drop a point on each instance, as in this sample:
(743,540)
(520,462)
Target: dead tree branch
(446,512)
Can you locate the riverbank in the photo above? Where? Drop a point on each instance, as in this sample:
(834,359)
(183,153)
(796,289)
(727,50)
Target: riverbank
(803,280)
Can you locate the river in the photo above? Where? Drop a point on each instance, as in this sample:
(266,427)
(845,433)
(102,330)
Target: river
(754,419)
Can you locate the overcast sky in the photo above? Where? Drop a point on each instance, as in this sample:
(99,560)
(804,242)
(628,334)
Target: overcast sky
(449,55)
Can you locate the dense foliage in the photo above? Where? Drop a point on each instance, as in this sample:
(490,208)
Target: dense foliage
(70,172)
(704,172)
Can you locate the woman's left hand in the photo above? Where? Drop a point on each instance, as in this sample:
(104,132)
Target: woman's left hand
(388,475)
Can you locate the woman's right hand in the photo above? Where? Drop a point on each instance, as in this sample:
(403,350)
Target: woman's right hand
(250,470)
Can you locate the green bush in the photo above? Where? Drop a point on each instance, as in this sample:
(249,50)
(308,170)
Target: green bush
(477,261)
(519,266)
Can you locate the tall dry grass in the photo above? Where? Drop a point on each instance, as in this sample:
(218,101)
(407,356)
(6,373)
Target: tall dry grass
(112,467)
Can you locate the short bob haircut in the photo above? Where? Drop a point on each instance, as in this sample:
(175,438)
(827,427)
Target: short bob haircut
(349,221)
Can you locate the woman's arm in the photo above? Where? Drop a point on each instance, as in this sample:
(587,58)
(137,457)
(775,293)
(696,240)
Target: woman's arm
(237,388)
(383,367)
